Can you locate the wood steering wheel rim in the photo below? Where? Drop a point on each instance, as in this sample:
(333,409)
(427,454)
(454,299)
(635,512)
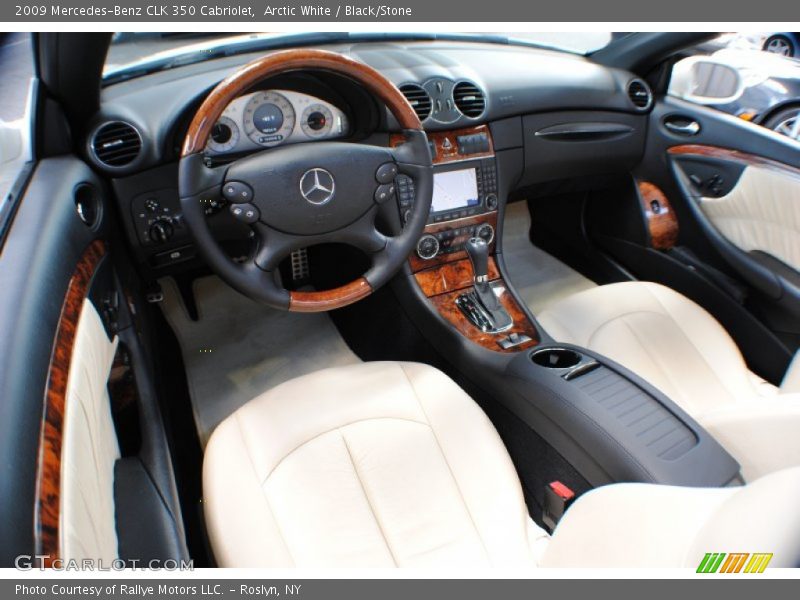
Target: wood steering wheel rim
(282,62)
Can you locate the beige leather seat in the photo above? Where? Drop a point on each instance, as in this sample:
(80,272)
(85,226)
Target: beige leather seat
(392,464)
(682,350)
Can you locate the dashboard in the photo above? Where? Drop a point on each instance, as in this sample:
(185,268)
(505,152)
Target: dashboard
(499,118)
(269,118)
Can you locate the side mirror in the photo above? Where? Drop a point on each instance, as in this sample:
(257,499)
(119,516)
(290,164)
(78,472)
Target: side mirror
(703,80)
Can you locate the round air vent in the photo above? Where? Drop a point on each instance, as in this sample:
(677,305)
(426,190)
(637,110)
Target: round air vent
(469,99)
(418,98)
(640,94)
(116,144)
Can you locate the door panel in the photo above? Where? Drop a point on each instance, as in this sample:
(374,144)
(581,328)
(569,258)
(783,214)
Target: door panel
(736,190)
(760,211)
(39,258)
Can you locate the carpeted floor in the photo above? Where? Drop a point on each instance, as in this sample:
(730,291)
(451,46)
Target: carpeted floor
(239,349)
(540,279)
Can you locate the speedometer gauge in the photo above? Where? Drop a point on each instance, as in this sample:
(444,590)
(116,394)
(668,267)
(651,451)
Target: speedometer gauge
(317,120)
(224,135)
(268,118)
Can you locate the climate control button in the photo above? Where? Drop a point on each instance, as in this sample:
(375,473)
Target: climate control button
(485,232)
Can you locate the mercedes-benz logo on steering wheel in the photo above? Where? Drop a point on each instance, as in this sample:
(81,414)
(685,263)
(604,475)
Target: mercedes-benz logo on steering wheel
(317,186)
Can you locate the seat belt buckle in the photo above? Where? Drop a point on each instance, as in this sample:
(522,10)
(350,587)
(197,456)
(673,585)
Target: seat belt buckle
(557,499)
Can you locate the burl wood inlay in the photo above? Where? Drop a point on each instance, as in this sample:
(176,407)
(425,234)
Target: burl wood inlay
(446,145)
(443,284)
(663,225)
(451,276)
(750,160)
(330,299)
(48,475)
(417,264)
(284,61)
(446,305)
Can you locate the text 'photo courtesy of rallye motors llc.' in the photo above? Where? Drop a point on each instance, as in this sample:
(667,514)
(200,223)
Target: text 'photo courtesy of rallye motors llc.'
(371,304)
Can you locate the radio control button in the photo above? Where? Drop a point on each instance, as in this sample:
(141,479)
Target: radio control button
(384,192)
(245,212)
(237,192)
(386,173)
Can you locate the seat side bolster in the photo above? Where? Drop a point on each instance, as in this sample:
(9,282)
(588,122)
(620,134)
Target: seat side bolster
(239,505)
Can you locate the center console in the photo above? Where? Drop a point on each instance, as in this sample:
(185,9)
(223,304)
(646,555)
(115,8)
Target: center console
(604,423)
(465,207)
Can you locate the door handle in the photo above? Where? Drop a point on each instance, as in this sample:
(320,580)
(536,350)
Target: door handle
(683,127)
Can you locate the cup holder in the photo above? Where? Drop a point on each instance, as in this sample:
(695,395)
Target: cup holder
(556,358)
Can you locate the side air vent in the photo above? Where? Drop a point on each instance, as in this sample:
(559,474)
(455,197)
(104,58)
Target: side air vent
(418,98)
(469,99)
(116,144)
(640,94)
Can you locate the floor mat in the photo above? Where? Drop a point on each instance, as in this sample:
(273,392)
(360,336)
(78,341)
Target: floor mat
(239,349)
(540,279)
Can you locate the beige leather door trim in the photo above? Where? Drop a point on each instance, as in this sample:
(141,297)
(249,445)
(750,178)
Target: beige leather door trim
(48,476)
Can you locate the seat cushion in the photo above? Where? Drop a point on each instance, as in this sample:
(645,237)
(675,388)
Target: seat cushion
(377,464)
(661,336)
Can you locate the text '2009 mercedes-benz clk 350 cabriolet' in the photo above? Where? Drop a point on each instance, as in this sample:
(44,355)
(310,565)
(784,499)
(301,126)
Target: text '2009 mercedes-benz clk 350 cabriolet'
(397,300)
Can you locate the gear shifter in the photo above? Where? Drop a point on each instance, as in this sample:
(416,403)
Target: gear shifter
(478,252)
(481,305)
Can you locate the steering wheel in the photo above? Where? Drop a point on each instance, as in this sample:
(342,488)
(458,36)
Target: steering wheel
(304,194)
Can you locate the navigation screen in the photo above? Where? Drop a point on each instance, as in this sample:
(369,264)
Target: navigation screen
(454,189)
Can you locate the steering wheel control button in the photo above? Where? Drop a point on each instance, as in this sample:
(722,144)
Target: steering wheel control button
(386,173)
(384,192)
(237,192)
(246,213)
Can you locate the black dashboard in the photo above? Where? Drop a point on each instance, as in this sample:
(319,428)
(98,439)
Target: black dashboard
(561,114)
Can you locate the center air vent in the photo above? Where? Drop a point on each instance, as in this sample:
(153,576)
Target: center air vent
(116,144)
(640,94)
(418,98)
(469,99)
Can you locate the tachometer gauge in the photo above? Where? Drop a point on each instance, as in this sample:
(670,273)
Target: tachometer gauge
(268,118)
(224,135)
(317,120)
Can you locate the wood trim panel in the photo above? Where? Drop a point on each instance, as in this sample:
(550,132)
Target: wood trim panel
(443,284)
(48,474)
(451,276)
(276,63)
(663,225)
(417,264)
(446,305)
(446,146)
(330,299)
(750,160)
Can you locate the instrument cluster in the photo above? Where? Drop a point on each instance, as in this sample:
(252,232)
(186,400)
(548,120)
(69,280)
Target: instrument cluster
(273,117)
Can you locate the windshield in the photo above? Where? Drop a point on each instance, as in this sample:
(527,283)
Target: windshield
(134,54)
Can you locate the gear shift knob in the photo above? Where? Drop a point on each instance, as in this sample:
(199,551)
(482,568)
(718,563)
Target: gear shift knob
(478,251)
